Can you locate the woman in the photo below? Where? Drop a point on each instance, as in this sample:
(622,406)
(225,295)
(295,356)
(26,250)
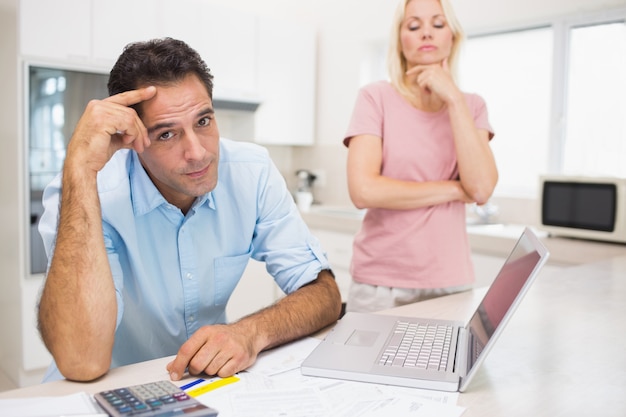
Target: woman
(418,151)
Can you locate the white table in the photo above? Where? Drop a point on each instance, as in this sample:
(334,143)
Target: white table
(563,353)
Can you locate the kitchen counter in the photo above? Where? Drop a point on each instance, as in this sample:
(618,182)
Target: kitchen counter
(490,239)
(334,218)
(534,369)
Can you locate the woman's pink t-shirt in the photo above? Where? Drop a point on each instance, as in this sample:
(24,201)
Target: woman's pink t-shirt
(420,248)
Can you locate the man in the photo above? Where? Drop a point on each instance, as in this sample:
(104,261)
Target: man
(152,223)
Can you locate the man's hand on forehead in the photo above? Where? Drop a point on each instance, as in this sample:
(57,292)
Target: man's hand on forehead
(129,133)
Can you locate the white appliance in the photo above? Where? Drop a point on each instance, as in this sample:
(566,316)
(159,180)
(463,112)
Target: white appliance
(584,207)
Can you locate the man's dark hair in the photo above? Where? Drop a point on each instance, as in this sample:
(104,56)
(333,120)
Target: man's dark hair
(157,62)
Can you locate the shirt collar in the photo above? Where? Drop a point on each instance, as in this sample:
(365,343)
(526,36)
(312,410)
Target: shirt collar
(146,197)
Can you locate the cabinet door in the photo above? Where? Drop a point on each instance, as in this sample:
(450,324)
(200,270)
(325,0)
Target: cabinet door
(232,52)
(116,23)
(287,71)
(185,20)
(338,248)
(35,354)
(59,29)
(255,290)
(225,38)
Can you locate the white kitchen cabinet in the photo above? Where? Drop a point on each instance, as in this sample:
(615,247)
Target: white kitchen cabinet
(287,73)
(36,356)
(338,248)
(226,39)
(252,58)
(255,290)
(116,23)
(59,30)
(233,53)
(85,32)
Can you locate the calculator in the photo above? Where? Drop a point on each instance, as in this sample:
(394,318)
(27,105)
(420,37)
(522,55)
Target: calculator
(155,399)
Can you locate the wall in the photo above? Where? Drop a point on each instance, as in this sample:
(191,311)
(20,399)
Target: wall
(11,195)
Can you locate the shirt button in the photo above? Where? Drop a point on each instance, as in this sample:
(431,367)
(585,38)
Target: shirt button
(189,275)
(192,318)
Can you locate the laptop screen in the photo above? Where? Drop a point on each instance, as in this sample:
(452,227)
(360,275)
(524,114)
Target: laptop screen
(507,288)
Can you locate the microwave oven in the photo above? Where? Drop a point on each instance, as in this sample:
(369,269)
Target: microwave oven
(584,207)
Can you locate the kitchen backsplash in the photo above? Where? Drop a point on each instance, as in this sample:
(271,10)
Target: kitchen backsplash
(329,160)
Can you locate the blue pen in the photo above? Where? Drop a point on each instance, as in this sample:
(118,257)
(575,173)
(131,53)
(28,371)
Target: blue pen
(191,384)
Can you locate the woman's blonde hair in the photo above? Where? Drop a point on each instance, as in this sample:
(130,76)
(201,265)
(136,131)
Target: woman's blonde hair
(396,62)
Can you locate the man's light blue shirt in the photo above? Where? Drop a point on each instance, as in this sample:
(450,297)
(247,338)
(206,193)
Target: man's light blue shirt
(174,273)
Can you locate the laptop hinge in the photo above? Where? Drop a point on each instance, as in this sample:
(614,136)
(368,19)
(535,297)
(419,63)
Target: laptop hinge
(462,352)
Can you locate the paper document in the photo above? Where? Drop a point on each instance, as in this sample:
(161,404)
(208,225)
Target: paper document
(275,385)
(79,404)
(284,358)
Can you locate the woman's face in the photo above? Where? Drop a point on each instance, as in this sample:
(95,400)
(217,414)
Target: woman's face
(425,36)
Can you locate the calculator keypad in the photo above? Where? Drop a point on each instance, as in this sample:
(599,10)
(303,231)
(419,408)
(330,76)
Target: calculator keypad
(151,399)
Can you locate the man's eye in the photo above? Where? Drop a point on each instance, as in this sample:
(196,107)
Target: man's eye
(166,136)
(205,121)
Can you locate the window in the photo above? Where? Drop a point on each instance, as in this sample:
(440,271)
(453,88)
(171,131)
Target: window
(555,97)
(513,73)
(595,130)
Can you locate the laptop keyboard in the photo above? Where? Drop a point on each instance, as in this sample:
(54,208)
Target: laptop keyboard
(420,346)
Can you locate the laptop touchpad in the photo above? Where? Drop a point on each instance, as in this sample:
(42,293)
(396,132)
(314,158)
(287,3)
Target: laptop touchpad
(362,338)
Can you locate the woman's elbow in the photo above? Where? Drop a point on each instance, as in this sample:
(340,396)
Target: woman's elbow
(359,204)
(481,190)
(481,194)
(359,200)
(480,199)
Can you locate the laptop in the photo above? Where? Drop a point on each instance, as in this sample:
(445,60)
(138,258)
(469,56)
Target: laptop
(373,348)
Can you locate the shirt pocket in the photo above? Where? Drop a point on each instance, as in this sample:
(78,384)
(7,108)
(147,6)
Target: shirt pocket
(228,272)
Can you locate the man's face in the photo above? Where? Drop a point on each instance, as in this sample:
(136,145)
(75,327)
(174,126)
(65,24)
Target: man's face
(183,156)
